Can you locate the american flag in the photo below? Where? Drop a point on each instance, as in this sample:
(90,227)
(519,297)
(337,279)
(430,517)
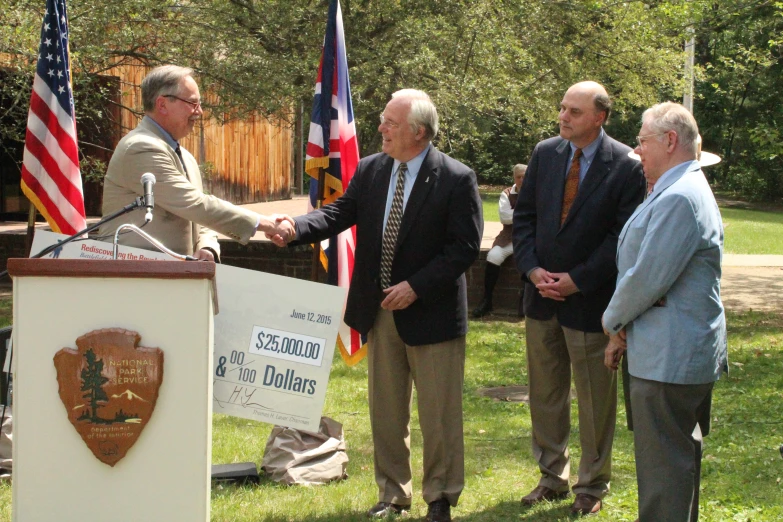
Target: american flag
(332,145)
(50,171)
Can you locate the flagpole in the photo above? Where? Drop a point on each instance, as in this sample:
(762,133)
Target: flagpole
(319,201)
(28,242)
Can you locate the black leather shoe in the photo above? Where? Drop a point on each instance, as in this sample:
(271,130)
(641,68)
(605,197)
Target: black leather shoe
(385,509)
(439,511)
(484,307)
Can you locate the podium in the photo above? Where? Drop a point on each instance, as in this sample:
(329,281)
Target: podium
(74,418)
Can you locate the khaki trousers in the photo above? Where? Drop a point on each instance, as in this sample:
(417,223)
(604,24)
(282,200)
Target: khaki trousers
(438,371)
(553,351)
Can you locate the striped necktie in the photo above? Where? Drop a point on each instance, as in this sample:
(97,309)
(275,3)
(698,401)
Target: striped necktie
(392,227)
(571,186)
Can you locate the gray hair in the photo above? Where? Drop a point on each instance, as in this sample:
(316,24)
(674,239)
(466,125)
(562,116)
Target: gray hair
(423,112)
(670,116)
(520,167)
(161,81)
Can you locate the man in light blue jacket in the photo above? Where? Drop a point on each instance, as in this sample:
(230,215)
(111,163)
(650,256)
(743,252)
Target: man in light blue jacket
(667,311)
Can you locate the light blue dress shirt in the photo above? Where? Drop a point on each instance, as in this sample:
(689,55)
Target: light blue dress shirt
(170,141)
(414,166)
(588,155)
(674,171)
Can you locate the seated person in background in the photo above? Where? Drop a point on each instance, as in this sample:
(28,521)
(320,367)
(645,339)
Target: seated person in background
(502,247)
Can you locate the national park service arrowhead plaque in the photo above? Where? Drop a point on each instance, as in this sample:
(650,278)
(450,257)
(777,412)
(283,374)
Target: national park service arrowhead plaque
(109,386)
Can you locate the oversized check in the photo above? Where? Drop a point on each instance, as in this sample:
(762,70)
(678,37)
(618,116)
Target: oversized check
(277,338)
(274,337)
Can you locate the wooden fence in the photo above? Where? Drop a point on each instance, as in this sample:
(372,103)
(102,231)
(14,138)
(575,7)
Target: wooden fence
(243,161)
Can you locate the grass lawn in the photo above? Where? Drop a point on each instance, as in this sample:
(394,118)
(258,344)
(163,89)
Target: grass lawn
(747,231)
(742,468)
(752,231)
(489,201)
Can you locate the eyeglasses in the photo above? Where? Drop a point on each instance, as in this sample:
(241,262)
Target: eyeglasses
(194,104)
(389,123)
(641,139)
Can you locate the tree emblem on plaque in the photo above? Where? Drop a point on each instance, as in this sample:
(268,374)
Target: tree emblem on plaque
(109,386)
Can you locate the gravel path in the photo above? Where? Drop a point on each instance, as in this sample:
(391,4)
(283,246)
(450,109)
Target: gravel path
(752,287)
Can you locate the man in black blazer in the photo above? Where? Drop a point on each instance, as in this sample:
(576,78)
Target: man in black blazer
(579,190)
(418,228)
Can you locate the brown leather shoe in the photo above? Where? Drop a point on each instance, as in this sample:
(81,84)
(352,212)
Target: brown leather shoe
(585,504)
(541,493)
(385,509)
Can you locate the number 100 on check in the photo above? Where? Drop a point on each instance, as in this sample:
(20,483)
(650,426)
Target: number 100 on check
(288,346)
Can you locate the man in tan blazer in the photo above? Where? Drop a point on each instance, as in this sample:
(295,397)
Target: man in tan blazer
(186,220)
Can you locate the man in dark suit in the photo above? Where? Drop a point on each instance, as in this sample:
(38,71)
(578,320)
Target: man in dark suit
(418,228)
(579,190)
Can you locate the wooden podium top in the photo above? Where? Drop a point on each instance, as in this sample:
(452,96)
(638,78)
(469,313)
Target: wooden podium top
(111,268)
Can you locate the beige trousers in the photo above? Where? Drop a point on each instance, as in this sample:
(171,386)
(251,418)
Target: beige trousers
(553,351)
(438,372)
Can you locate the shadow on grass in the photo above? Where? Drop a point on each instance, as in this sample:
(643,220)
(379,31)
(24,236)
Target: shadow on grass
(502,511)
(548,511)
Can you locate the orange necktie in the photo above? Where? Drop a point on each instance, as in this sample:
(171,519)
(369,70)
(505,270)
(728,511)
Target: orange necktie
(571,186)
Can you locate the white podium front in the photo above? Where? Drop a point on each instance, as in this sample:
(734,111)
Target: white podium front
(164,475)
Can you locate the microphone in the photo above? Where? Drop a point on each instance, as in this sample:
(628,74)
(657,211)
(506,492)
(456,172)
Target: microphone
(147,180)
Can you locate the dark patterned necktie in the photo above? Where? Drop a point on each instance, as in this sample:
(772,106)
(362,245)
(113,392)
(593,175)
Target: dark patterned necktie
(571,186)
(178,150)
(392,227)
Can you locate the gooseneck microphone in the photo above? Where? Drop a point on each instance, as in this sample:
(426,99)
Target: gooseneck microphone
(147,181)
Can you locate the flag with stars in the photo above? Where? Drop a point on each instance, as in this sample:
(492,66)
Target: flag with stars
(50,171)
(332,145)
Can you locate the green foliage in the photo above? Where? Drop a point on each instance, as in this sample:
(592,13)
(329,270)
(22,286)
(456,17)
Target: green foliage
(6,311)
(739,105)
(93,169)
(496,70)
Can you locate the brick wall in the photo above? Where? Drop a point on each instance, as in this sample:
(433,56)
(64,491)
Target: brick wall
(506,295)
(266,257)
(296,262)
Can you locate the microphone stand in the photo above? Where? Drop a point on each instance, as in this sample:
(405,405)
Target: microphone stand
(137,203)
(133,228)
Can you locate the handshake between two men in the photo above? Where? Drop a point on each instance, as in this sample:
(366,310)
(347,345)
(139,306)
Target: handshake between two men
(280,229)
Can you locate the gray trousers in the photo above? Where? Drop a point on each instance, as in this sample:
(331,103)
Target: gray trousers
(668,447)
